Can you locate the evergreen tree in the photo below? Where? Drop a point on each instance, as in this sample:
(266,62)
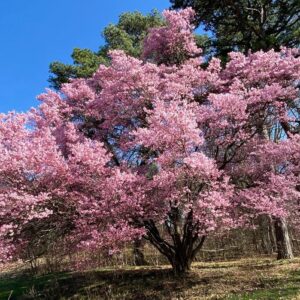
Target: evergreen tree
(127,35)
(247,24)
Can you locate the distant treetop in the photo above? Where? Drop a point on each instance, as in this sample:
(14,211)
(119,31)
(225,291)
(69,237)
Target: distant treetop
(243,25)
(127,35)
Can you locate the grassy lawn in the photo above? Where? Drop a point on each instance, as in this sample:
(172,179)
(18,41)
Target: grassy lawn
(242,279)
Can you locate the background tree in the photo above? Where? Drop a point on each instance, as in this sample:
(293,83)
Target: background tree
(247,24)
(127,35)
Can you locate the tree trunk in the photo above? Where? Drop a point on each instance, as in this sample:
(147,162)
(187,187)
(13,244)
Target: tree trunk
(272,234)
(267,240)
(182,257)
(184,247)
(181,265)
(284,247)
(138,255)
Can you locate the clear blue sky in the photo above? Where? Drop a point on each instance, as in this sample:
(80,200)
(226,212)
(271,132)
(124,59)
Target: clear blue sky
(34,33)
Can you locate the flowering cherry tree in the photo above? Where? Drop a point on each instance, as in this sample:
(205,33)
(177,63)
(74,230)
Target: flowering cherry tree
(159,148)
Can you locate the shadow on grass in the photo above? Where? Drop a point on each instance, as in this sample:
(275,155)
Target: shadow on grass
(102,284)
(22,284)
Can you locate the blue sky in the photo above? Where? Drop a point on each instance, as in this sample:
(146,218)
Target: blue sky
(36,32)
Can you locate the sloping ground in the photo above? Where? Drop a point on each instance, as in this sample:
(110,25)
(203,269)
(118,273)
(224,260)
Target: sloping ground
(242,279)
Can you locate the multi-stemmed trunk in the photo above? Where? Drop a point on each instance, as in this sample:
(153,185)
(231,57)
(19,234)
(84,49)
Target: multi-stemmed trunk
(182,259)
(182,242)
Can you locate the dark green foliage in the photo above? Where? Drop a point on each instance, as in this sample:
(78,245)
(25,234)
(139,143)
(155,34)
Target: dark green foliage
(128,35)
(85,64)
(248,24)
(204,42)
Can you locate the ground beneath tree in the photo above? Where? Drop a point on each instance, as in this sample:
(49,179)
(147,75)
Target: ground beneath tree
(241,279)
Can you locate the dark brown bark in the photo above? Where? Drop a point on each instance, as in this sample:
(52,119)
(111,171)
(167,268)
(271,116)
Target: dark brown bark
(185,242)
(284,246)
(181,264)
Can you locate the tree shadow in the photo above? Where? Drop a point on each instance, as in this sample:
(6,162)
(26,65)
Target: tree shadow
(99,284)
